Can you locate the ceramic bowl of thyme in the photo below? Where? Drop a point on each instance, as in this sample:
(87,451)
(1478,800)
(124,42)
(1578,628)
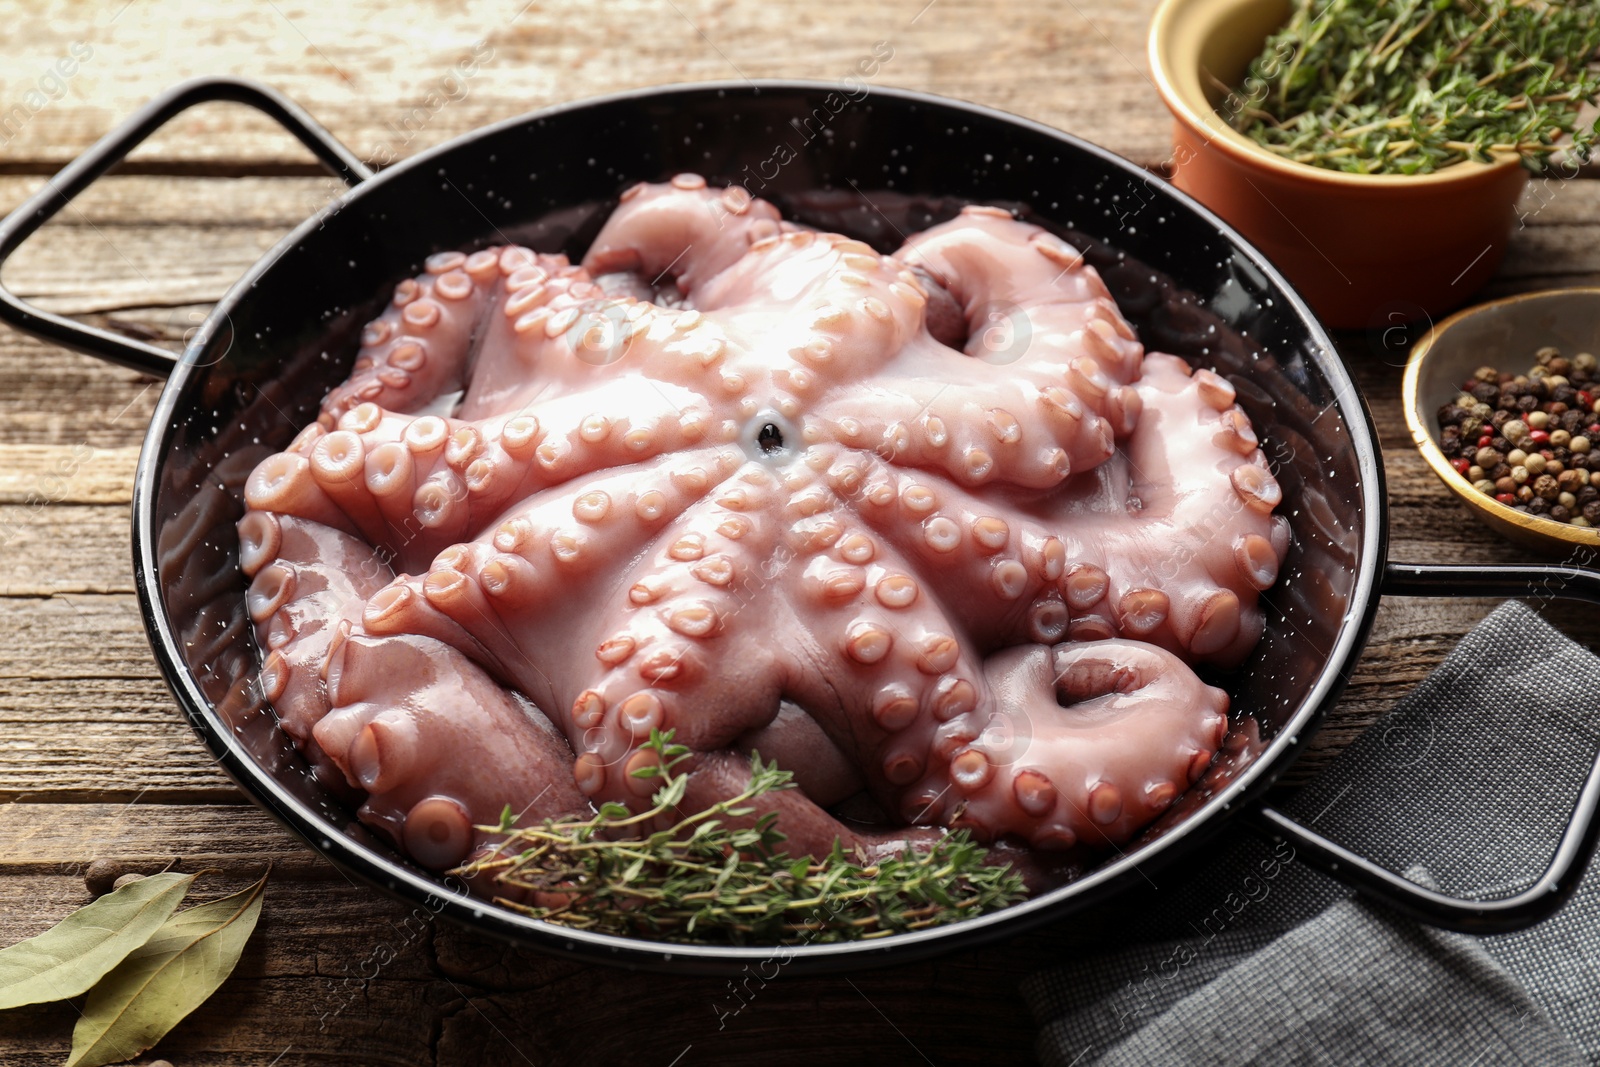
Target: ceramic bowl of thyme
(1375,150)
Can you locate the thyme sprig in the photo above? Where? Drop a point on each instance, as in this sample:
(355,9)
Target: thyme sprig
(704,879)
(1410,86)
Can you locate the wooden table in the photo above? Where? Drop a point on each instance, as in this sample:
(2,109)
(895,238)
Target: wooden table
(94,759)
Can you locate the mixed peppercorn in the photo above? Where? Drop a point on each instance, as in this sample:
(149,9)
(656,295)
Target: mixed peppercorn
(1526,439)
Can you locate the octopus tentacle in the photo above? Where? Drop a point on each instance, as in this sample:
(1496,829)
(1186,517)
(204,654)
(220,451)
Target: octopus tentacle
(904,689)
(1003,572)
(1094,740)
(438,745)
(417,485)
(807,828)
(567,335)
(988,261)
(1064,363)
(497,597)
(307,581)
(527,349)
(685,648)
(419,349)
(959,421)
(833,308)
(1176,535)
(682,229)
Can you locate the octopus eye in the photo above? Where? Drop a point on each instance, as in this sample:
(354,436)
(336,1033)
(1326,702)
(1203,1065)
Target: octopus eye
(771,438)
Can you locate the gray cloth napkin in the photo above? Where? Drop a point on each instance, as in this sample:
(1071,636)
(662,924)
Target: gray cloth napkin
(1255,959)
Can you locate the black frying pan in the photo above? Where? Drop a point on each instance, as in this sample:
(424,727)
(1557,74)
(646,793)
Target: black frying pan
(873,165)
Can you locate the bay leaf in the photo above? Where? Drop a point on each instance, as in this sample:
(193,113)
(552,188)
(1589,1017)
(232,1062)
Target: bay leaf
(165,979)
(78,951)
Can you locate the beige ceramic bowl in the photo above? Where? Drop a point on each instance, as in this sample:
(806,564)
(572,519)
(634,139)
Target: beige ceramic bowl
(1356,246)
(1504,334)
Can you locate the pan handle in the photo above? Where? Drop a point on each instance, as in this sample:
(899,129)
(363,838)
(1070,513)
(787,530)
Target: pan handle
(1546,895)
(105,153)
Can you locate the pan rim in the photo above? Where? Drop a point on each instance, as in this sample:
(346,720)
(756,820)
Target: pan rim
(412,886)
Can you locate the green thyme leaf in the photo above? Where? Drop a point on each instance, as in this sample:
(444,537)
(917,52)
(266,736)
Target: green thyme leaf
(706,881)
(1408,87)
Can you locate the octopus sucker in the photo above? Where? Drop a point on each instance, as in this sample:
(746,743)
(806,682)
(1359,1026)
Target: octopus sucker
(931,527)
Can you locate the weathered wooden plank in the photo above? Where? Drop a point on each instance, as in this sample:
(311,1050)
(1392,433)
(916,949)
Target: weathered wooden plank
(384,84)
(75,474)
(83,712)
(48,550)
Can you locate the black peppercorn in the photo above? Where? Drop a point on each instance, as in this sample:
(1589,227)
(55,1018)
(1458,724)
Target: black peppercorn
(1549,478)
(1591,512)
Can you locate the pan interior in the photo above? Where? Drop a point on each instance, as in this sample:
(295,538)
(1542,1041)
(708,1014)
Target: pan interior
(876,165)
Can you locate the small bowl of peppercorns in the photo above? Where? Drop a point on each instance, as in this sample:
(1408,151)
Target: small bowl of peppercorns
(1503,400)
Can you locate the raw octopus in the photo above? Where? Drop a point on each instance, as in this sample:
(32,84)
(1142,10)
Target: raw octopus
(776,492)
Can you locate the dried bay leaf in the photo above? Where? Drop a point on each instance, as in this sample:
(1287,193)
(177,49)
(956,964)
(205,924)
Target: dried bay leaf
(164,980)
(77,952)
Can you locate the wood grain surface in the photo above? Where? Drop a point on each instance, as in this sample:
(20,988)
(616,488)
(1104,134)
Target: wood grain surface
(95,761)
